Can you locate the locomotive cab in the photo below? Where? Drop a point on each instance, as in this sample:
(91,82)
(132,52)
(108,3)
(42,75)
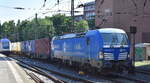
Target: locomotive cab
(115,51)
(5,46)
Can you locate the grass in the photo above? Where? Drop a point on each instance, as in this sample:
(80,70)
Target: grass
(142,63)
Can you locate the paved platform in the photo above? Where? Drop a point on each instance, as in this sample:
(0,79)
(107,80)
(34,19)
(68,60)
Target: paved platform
(10,72)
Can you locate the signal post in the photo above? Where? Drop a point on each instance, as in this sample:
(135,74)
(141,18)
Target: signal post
(133,31)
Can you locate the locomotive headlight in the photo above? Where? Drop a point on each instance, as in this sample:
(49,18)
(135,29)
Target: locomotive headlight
(128,56)
(101,55)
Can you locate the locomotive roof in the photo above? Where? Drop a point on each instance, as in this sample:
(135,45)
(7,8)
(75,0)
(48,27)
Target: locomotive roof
(111,30)
(72,35)
(103,30)
(4,40)
(68,35)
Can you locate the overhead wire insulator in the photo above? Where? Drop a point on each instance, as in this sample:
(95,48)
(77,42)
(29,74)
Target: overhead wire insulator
(81,5)
(58,4)
(57,1)
(44,3)
(20,8)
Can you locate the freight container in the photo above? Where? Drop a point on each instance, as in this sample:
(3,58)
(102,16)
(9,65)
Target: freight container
(27,47)
(31,48)
(32,44)
(16,47)
(23,47)
(13,46)
(42,48)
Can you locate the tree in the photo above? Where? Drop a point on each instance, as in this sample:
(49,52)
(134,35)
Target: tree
(82,26)
(91,23)
(61,23)
(25,30)
(41,27)
(45,28)
(8,30)
(30,30)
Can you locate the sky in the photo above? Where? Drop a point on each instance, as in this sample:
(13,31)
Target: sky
(34,6)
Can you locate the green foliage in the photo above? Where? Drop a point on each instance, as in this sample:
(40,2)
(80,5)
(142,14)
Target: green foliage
(61,23)
(91,23)
(82,26)
(7,29)
(41,27)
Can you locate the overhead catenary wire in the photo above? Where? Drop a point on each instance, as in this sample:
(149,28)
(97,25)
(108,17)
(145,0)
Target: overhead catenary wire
(37,11)
(44,3)
(50,9)
(45,9)
(42,10)
(19,8)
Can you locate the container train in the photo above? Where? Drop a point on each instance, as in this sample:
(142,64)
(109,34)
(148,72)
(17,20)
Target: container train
(39,48)
(98,49)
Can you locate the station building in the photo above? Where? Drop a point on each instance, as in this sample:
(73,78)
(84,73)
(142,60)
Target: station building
(123,14)
(89,10)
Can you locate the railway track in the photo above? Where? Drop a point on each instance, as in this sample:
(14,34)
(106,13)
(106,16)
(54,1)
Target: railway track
(144,71)
(41,69)
(35,78)
(126,77)
(115,78)
(41,72)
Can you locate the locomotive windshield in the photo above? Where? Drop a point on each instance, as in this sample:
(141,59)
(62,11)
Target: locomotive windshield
(114,38)
(5,45)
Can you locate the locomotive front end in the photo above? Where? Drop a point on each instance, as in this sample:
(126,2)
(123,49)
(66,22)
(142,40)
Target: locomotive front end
(5,46)
(115,51)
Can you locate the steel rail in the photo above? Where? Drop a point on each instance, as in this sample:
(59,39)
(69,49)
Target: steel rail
(35,78)
(129,78)
(147,72)
(55,72)
(85,80)
(41,73)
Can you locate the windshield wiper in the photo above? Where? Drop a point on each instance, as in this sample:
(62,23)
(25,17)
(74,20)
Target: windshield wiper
(122,42)
(112,42)
(122,45)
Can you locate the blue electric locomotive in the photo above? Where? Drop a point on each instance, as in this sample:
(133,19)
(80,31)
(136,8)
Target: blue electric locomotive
(5,46)
(102,48)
